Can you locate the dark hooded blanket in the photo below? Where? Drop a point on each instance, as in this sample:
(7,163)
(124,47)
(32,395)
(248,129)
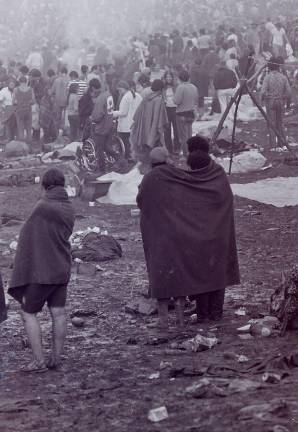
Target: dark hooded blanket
(187,224)
(44,254)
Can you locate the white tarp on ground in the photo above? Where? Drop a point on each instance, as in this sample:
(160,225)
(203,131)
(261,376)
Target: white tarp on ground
(124,189)
(278,191)
(243,162)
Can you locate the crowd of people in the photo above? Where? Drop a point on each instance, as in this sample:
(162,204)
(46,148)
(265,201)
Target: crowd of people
(155,91)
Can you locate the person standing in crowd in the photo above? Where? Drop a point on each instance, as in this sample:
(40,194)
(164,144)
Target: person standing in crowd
(203,43)
(200,258)
(86,106)
(59,93)
(149,123)
(6,101)
(129,103)
(75,79)
(279,41)
(23,100)
(169,93)
(275,92)
(102,125)
(145,85)
(200,78)
(225,82)
(37,83)
(35,60)
(46,117)
(186,99)
(84,73)
(233,64)
(73,111)
(42,268)
(177,48)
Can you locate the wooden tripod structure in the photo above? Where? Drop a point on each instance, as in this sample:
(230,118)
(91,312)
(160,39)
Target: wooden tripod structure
(244,87)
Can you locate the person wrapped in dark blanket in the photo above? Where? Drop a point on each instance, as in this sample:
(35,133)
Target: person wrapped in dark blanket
(187,224)
(42,267)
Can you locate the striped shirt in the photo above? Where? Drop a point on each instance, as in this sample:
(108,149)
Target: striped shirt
(82,86)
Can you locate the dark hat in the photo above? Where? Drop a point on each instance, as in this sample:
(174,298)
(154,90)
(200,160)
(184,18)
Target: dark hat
(53,177)
(157,85)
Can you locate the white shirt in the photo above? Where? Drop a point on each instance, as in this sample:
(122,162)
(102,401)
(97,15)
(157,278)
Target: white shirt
(279,37)
(35,61)
(6,97)
(127,109)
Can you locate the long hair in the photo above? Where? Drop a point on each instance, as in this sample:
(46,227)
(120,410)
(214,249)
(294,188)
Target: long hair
(132,88)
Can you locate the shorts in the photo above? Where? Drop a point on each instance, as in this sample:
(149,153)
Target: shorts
(34,297)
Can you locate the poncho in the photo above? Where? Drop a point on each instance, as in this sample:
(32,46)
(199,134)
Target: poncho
(187,224)
(44,255)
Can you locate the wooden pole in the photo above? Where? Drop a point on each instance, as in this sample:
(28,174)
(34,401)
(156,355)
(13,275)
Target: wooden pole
(224,116)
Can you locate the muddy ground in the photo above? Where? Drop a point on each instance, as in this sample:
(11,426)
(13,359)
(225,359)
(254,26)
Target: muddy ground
(104,382)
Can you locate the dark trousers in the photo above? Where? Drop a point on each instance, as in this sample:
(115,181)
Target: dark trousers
(171,112)
(24,123)
(210,305)
(275,110)
(11,128)
(74,125)
(184,130)
(125,136)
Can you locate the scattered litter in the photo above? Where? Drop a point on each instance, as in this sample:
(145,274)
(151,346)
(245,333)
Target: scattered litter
(199,343)
(135,213)
(93,245)
(260,329)
(241,311)
(155,375)
(271,378)
(164,365)
(244,329)
(13,245)
(204,388)
(158,414)
(78,322)
(142,306)
(265,411)
(84,313)
(240,385)
(242,359)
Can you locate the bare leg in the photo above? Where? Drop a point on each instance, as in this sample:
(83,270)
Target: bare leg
(162,306)
(179,308)
(33,331)
(58,334)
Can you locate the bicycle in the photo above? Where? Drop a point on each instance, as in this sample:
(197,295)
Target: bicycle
(113,153)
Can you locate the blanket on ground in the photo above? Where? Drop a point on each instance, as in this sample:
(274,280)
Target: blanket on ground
(187,224)
(43,255)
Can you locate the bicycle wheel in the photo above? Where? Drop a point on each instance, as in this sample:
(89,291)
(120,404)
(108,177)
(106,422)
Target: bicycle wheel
(88,159)
(115,150)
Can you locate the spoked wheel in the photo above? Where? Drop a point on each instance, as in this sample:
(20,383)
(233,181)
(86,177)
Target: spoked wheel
(87,156)
(115,150)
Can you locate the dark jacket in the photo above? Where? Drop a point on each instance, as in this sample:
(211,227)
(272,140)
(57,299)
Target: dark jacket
(86,105)
(200,78)
(224,79)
